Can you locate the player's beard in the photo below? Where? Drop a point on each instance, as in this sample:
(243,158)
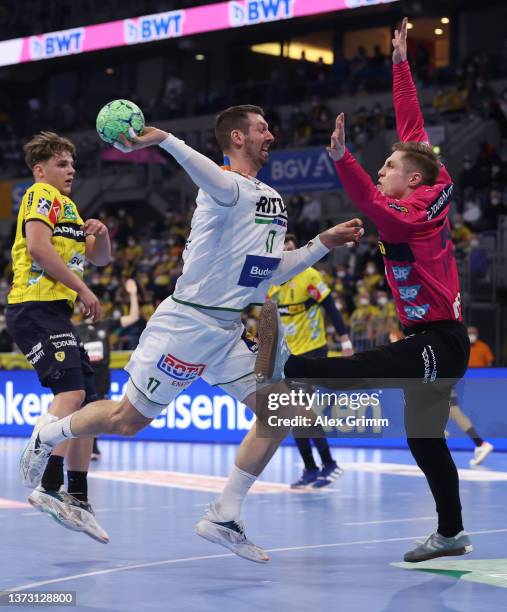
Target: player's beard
(256,155)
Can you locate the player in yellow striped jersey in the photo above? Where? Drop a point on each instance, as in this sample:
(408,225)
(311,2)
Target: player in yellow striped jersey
(300,303)
(48,257)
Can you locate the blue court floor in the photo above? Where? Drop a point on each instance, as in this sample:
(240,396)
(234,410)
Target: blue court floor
(331,550)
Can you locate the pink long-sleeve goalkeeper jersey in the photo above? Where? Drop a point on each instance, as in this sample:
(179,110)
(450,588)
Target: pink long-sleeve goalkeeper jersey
(415,234)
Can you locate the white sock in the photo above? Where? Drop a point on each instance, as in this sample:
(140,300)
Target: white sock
(230,501)
(54,433)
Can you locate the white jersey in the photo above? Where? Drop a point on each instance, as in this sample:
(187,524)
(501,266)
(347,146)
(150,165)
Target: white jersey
(231,250)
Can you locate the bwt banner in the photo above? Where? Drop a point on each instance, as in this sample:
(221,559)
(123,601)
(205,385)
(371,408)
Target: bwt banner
(207,414)
(162,26)
(308,169)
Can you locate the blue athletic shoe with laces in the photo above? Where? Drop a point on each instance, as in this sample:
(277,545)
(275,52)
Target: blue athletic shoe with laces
(308,478)
(328,474)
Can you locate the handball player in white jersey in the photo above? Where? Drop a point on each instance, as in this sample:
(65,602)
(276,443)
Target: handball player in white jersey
(233,254)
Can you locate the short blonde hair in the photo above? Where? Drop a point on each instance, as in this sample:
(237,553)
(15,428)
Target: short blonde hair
(44,145)
(420,157)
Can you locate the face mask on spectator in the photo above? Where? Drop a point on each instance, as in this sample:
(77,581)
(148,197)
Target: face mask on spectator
(495,201)
(341,274)
(116,314)
(339,306)
(364,301)
(472,338)
(467,165)
(382,300)
(474,243)
(370,270)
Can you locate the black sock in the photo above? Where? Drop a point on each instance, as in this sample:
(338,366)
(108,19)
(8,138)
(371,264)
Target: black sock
(475,436)
(305,449)
(52,479)
(322,445)
(77,484)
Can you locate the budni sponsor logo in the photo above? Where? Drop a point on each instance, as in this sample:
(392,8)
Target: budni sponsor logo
(443,199)
(256,269)
(263,273)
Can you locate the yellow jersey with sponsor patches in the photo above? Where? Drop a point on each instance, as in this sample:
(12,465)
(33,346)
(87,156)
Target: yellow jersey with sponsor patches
(298,304)
(46,204)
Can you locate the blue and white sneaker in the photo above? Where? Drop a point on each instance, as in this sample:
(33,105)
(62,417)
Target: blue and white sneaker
(230,534)
(68,512)
(34,457)
(439,546)
(273,351)
(328,474)
(308,478)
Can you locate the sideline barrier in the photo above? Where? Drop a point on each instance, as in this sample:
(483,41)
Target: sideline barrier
(207,414)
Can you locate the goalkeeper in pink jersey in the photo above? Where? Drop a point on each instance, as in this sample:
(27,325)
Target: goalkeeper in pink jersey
(409,205)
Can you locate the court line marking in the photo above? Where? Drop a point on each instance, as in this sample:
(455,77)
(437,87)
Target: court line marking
(405,520)
(114,570)
(189,481)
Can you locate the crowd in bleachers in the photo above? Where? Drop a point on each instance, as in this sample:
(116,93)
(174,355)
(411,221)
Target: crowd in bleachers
(152,255)
(463,91)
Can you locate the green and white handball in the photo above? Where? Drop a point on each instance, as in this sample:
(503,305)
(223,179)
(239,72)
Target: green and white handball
(119,117)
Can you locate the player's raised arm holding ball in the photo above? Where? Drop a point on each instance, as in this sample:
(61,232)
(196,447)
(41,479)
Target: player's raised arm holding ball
(233,253)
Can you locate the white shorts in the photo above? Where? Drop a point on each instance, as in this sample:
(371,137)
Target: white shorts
(181,344)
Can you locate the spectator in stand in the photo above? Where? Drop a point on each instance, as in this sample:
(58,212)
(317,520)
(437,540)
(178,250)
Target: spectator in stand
(171,103)
(499,113)
(358,70)
(372,278)
(340,71)
(468,176)
(308,224)
(321,121)
(479,262)
(481,356)
(460,233)
(364,322)
(480,98)
(493,208)
(6,345)
(422,63)
(4,290)
(368,251)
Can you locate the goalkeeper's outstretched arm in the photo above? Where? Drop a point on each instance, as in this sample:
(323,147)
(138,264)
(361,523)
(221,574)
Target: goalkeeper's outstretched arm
(409,119)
